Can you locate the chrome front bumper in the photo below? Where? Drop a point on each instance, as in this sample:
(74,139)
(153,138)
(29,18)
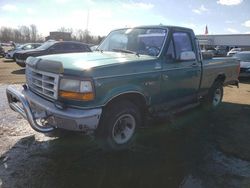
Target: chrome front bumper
(20,60)
(34,108)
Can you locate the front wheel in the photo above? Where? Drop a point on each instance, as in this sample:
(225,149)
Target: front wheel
(118,126)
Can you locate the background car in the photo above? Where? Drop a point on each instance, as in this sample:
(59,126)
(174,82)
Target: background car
(221,51)
(244,58)
(233,51)
(11,54)
(2,51)
(211,50)
(51,47)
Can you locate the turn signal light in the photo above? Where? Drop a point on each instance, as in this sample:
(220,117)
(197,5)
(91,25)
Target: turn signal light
(77,96)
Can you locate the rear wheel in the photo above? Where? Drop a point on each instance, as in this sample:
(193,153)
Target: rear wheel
(118,126)
(215,95)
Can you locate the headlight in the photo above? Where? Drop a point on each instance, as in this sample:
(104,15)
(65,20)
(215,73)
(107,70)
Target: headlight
(76,89)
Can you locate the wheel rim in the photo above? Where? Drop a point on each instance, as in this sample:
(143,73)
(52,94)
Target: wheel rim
(124,128)
(217,97)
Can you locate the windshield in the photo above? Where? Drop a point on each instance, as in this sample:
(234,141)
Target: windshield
(243,56)
(46,45)
(19,46)
(147,41)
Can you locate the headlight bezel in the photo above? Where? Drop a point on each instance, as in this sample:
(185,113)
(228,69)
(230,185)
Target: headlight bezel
(77,93)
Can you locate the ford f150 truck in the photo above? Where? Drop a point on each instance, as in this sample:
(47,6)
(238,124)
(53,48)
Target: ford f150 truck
(135,73)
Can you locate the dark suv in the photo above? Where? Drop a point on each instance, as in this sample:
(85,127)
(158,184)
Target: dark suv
(51,47)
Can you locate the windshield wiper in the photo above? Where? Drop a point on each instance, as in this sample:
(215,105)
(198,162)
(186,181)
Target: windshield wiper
(125,51)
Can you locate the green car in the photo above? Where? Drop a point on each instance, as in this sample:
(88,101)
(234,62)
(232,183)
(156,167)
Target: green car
(135,73)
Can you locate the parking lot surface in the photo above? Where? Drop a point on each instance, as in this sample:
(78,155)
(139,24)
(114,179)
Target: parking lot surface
(194,149)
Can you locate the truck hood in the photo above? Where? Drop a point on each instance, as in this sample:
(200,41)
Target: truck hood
(75,62)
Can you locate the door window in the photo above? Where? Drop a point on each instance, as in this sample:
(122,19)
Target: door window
(170,52)
(182,43)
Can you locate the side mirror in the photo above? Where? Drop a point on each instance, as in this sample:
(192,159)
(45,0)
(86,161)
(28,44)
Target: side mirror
(187,56)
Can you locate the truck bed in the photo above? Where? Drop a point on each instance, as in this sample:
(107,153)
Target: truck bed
(225,66)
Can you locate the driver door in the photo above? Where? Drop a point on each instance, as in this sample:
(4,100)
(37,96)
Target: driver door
(180,79)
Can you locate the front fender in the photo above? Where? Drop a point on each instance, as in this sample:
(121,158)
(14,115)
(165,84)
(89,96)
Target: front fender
(123,90)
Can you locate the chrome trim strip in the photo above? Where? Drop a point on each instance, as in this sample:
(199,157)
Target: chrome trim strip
(123,93)
(149,72)
(113,76)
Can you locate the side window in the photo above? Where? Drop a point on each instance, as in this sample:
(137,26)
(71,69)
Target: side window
(85,48)
(27,47)
(56,47)
(69,46)
(76,47)
(35,45)
(72,47)
(182,43)
(170,52)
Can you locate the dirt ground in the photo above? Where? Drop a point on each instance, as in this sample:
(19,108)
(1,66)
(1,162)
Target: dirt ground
(10,72)
(195,149)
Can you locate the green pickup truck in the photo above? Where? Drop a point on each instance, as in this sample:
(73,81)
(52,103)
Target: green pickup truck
(135,73)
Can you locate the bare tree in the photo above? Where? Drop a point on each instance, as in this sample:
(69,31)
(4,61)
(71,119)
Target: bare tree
(80,35)
(17,35)
(87,38)
(33,31)
(6,34)
(25,32)
(64,29)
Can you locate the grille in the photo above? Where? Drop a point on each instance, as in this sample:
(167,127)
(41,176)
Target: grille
(19,56)
(43,83)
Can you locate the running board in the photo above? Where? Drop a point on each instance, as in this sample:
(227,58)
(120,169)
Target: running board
(170,113)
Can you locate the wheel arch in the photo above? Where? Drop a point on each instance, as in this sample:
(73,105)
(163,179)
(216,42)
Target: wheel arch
(220,78)
(134,97)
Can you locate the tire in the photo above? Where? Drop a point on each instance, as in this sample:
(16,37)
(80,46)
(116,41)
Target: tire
(215,96)
(118,126)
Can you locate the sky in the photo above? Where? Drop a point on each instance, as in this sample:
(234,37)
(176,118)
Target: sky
(100,16)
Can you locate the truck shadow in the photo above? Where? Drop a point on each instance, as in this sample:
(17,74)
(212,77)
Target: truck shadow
(19,71)
(188,152)
(8,60)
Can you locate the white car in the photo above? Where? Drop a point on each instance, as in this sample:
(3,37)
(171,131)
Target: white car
(244,58)
(233,51)
(11,53)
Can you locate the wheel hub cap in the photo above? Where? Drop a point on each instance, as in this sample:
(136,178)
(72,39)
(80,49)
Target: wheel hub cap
(123,129)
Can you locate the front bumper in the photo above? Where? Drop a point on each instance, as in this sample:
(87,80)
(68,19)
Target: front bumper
(21,62)
(44,116)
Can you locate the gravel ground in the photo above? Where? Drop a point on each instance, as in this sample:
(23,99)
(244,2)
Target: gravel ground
(13,126)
